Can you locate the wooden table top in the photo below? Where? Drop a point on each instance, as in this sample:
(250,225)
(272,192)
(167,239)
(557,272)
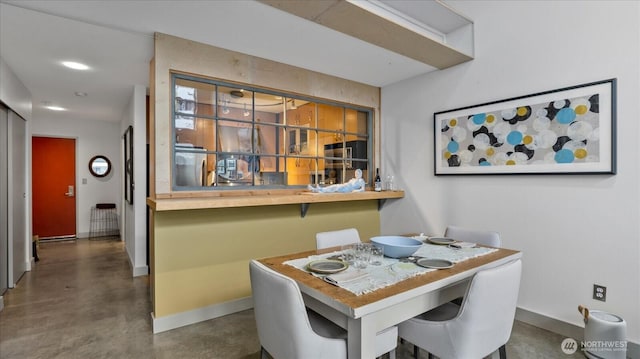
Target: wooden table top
(355,301)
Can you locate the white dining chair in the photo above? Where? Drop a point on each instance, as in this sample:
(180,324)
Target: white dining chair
(476,329)
(287,330)
(478,236)
(337,238)
(483,237)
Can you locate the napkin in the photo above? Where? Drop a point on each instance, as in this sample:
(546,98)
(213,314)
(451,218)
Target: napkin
(345,277)
(460,245)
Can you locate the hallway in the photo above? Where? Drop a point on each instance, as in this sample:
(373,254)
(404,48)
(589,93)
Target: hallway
(80,301)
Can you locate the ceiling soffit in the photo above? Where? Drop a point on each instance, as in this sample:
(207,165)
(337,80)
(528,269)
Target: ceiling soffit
(430,42)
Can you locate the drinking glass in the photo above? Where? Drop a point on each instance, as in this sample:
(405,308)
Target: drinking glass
(361,255)
(389,184)
(377,255)
(348,253)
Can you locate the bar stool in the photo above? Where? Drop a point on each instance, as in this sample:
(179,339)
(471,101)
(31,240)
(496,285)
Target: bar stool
(104,221)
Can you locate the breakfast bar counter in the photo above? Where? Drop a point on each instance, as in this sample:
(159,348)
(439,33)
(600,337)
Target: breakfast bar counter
(230,199)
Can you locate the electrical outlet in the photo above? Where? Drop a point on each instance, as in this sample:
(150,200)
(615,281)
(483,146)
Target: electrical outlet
(600,292)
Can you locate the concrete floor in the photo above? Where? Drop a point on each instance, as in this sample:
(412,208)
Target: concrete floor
(80,301)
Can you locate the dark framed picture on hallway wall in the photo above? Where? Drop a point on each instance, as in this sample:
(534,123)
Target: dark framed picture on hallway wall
(128,164)
(570,130)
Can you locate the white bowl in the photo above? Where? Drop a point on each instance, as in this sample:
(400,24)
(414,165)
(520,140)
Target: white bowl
(397,246)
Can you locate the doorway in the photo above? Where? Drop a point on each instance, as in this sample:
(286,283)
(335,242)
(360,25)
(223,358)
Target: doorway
(53,185)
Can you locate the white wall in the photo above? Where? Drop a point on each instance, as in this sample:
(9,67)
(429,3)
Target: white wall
(92,138)
(574,230)
(13,92)
(135,230)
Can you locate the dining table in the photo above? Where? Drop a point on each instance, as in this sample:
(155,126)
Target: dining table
(363,315)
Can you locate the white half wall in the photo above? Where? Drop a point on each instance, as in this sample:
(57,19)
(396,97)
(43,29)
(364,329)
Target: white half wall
(134,216)
(574,230)
(92,138)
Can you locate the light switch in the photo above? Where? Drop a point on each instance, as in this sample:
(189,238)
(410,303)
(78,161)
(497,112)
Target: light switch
(84,181)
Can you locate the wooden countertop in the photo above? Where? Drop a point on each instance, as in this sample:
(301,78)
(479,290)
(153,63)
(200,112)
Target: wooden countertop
(229,199)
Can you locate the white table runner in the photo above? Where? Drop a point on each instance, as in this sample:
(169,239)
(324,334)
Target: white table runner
(392,270)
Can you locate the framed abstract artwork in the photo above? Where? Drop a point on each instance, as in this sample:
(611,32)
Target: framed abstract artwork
(565,131)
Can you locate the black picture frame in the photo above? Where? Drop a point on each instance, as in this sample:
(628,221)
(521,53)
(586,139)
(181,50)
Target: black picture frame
(128,165)
(569,130)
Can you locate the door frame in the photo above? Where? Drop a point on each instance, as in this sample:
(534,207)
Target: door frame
(75,183)
(19,250)
(4,201)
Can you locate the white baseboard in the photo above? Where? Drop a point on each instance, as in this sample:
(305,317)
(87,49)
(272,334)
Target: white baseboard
(567,329)
(178,320)
(140,271)
(136,271)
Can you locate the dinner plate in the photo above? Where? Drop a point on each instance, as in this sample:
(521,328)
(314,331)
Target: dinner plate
(440,240)
(327,266)
(434,263)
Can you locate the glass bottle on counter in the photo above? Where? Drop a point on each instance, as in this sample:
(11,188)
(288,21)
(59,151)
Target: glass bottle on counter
(377,182)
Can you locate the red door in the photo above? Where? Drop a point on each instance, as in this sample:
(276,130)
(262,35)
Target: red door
(53,181)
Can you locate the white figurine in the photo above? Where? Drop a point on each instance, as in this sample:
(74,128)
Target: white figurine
(355,184)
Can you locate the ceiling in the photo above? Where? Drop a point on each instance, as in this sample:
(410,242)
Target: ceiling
(115,38)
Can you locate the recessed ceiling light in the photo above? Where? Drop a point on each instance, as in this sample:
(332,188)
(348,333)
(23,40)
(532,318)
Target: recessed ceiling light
(81,94)
(75,65)
(56,108)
